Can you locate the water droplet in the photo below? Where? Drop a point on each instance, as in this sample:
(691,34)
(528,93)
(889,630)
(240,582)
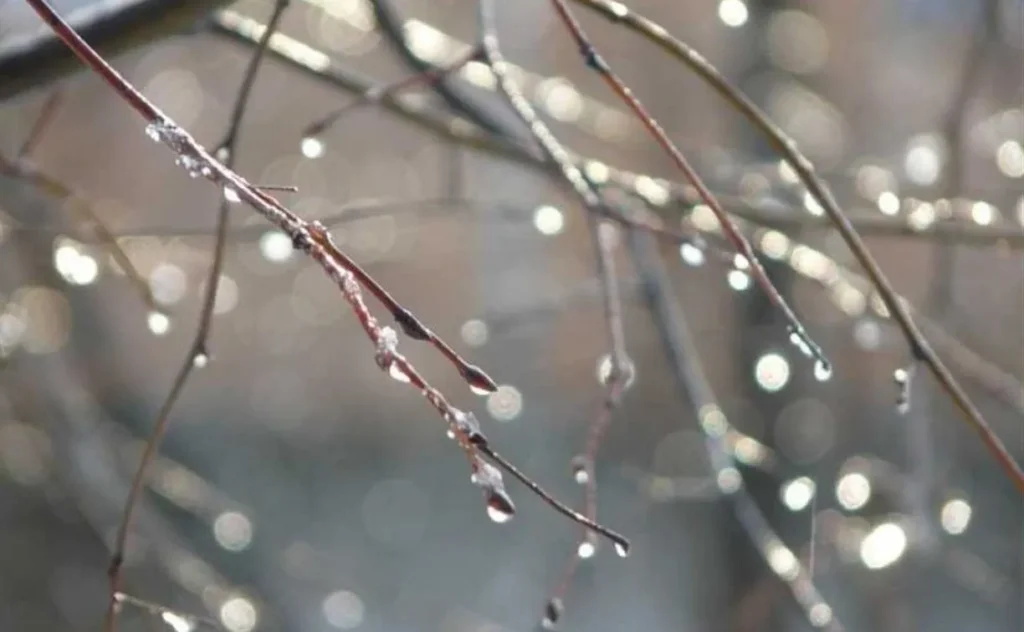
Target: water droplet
(312,147)
(200,360)
(622,549)
(158,323)
(580,471)
(586,550)
(738,280)
(155,132)
(604,371)
(822,370)
(397,374)
(450,434)
(500,508)
(477,390)
(900,376)
(222,154)
(553,611)
(691,254)
(231,195)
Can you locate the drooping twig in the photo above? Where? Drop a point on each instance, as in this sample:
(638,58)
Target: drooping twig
(618,376)
(313,239)
(593,59)
(920,348)
(197,355)
(689,377)
(377,92)
(22,168)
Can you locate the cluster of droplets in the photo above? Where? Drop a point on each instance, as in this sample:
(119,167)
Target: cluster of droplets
(903,378)
(387,345)
(739,276)
(466,424)
(167,133)
(487,477)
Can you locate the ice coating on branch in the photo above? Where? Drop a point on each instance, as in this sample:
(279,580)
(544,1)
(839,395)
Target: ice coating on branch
(387,343)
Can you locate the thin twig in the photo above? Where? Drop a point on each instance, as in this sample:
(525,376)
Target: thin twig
(313,239)
(42,122)
(197,355)
(619,376)
(798,334)
(377,92)
(920,348)
(679,346)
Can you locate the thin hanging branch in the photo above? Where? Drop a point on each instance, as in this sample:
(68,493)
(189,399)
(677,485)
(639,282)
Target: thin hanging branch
(681,351)
(619,374)
(23,169)
(313,239)
(920,348)
(197,355)
(376,92)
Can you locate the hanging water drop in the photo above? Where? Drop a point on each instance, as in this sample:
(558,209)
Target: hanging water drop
(499,507)
(450,434)
(822,370)
(580,471)
(553,611)
(738,280)
(622,549)
(200,360)
(691,254)
(479,382)
(158,323)
(231,195)
(586,549)
(604,371)
(312,147)
(903,378)
(222,154)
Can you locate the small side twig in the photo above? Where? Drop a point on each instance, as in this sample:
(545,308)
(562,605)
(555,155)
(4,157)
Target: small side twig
(787,148)
(197,355)
(377,92)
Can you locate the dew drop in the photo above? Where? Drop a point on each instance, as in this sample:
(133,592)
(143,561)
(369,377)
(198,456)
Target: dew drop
(604,371)
(158,323)
(586,550)
(222,154)
(312,147)
(900,376)
(822,370)
(231,195)
(450,434)
(691,254)
(479,390)
(622,549)
(499,512)
(580,471)
(397,374)
(200,360)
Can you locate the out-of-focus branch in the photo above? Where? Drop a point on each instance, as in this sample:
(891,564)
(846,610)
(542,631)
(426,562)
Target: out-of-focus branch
(920,348)
(113,27)
(689,376)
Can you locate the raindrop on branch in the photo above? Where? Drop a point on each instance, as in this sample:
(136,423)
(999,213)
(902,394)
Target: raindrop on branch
(580,470)
(552,613)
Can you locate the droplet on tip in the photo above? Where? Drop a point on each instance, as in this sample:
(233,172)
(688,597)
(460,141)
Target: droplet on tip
(231,195)
(622,549)
(822,370)
(479,382)
(200,360)
(499,507)
(158,323)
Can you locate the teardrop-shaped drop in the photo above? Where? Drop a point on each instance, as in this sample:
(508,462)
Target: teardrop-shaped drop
(822,370)
(622,549)
(580,471)
(200,360)
(499,507)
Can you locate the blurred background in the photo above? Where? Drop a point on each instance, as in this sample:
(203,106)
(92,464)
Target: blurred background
(299,488)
